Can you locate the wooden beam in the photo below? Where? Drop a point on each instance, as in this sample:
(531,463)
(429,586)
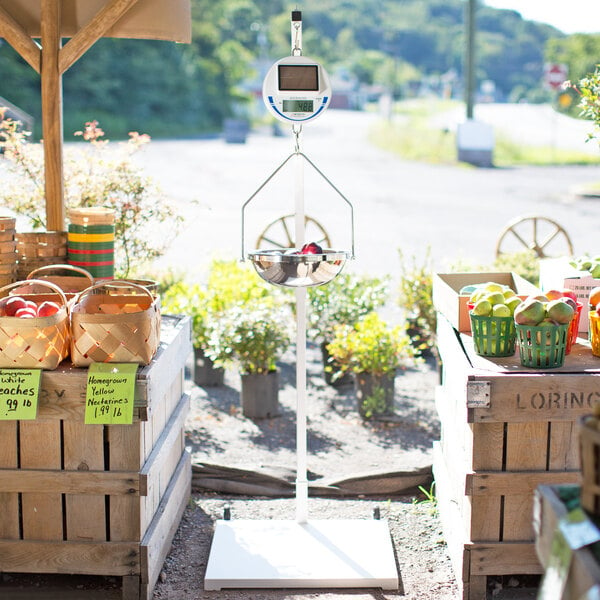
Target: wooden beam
(92,31)
(17,37)
(52,115)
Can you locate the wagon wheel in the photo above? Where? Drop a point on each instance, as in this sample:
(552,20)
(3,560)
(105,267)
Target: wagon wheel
(540,230)
(280,233)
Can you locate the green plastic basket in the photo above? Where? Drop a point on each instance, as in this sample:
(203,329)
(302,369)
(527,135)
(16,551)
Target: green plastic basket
(542,347)
(493,336)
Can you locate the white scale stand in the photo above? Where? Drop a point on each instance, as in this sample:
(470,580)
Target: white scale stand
(300,553)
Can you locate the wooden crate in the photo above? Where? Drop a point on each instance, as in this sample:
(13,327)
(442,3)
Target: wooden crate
(99,499)
(550,506)
(504,431)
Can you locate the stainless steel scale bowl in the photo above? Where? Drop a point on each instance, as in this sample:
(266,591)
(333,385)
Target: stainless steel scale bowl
(290,269)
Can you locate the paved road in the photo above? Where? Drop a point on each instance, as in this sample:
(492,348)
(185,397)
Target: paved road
(457,211)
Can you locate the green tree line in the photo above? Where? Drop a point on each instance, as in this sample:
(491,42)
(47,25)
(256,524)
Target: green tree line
(168,89)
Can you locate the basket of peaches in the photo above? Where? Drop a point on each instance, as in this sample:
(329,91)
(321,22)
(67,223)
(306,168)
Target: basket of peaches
(34,328)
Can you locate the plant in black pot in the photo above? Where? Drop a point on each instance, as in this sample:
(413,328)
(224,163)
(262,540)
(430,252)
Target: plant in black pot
(343,301)
(256,335)
(372,351)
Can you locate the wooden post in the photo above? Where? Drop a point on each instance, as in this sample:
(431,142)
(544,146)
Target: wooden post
(52,115)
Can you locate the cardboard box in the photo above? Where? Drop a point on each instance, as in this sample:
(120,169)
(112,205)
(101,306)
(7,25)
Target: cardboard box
(558,273)
(448,301)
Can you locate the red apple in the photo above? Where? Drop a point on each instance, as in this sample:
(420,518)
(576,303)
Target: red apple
(47,309)
(569,293)
(25,313)
(554,294)
(13,304)
(311,248)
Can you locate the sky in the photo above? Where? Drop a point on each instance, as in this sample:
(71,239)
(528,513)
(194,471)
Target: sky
(570,16)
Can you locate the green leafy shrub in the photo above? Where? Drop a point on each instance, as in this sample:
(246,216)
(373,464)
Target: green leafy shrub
(344,300)
(253,335)
(371,346)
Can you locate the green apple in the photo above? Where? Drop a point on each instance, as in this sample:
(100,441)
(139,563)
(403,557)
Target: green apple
(501,310)
(559,311)
(512,303)
(491,286)
(495,298)
(482,308)
(530,312)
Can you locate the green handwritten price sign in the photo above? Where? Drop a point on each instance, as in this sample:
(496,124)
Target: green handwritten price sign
(19,392)
(109,394)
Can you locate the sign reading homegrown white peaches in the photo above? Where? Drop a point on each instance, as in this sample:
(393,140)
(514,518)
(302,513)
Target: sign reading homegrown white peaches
(19,391)
(110,393)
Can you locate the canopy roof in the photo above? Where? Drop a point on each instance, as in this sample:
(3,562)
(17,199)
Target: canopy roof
(151,19)
(84,22)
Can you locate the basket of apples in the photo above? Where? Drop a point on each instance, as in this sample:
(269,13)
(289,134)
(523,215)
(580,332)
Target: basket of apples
(542,330)
(492,323)
(34,334)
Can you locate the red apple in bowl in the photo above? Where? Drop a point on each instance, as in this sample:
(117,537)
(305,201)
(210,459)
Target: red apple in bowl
(13,304)
(47,309)
(311,248)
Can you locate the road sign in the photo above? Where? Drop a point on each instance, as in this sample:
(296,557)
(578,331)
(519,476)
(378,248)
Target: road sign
(555,74)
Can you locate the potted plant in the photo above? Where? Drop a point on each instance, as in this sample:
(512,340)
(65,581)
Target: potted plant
(415,298)
(372,351)
(343,301)
(196,301)
(228,284)
(256,335)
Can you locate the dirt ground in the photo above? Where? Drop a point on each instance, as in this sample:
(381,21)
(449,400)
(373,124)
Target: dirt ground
(341,447)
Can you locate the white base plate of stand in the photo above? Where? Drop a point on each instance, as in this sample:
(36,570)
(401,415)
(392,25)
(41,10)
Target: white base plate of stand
(287,554)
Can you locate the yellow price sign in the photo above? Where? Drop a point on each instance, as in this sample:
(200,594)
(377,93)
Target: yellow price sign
(110,393)
(19,393)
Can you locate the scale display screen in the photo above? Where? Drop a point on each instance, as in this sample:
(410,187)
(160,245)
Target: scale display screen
(303,78)
(296,106)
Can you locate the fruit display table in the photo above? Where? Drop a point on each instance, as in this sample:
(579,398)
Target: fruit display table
(99,499)
(505,429)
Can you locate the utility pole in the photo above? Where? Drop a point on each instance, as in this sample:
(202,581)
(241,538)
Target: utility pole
(469,73)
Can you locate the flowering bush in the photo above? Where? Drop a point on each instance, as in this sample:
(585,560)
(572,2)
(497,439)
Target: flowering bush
(588,89)
(97,175)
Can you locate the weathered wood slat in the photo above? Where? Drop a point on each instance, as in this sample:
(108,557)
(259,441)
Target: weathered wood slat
(157,540)
(507,483)
(40,448)
(48,481)
(9,514)
(17,37)
(86,558)
(93,31)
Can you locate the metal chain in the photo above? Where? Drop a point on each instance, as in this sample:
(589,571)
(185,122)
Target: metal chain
(297,130)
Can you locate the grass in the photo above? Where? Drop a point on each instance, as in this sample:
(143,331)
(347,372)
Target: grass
(411,136)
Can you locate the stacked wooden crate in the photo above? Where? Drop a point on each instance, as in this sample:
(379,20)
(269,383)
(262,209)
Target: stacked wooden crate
(98,499)
(504,431)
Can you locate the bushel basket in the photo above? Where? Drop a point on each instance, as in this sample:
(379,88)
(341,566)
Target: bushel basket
(114,328)
(36,342)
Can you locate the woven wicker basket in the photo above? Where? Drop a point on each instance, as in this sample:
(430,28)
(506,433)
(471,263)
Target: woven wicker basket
(115,328)
(68,278)
(39,342)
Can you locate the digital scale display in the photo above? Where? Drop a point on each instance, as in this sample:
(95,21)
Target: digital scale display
(292,106)
(296,89)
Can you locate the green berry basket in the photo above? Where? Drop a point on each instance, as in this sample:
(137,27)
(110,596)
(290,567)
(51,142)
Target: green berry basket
(493,336)
(542,347)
